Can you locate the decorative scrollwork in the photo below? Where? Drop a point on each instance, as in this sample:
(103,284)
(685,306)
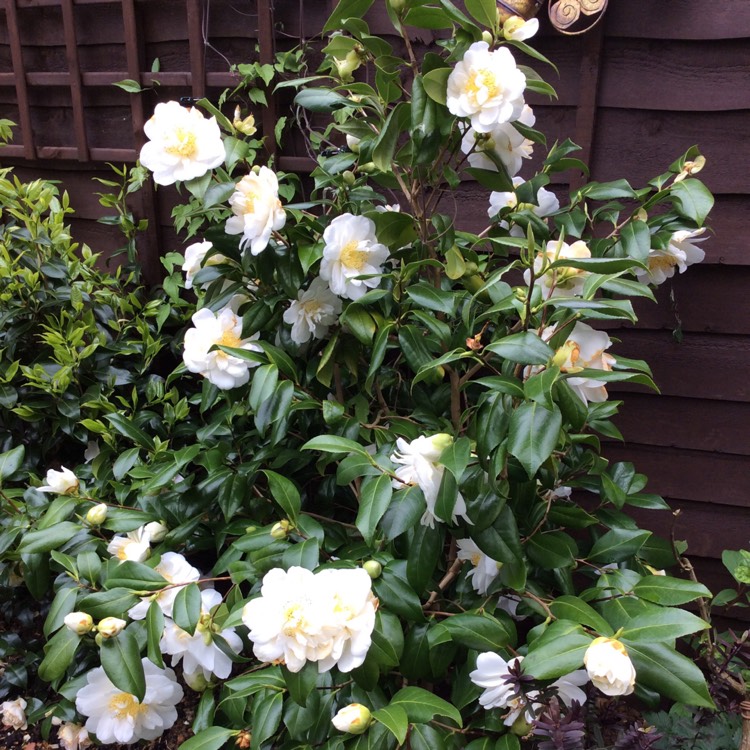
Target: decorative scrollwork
(565,13)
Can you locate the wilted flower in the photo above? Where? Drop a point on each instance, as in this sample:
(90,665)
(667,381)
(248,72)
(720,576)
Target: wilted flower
(183,144)
(257,210)
(210,329)
(116,716)
(609,666)
(97,515)
(354,719)
(245,125)
(504,144)
(109,627)
(314,310)
(346,65)
(418,465)
(199,652)
(519,30)
(62,482)
(73,736)
(560,282)
(326,617)
(177,572)
(195,254)
(134,546)
(13,715)
(79,622)
(487,87)
(484,568)
(351,250)
(679,253)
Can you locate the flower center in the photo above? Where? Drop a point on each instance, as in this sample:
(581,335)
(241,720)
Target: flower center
(661,262)
(183,144)
(229,338)
(475,559)
(481,81)
(352,257)
(125,705)
(294,620)
(312,308)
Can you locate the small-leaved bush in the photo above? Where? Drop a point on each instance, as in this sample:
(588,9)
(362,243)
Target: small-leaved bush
(371,507)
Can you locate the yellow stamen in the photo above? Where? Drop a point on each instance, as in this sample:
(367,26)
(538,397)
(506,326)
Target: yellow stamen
(229,338)
(484,79)
(184,144)
(124,705)
(352,257)
(661,262)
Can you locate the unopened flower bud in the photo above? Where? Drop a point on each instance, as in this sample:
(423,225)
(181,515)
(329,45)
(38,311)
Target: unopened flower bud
(245,126)
(196,680)
(352,143)
(109,627)
(156,531)
(368,168)
(488,38)
(441,441)
(79,622)
(97,515)
(348,177)
(373,569)
(354,719)
(281,529)
(397,5)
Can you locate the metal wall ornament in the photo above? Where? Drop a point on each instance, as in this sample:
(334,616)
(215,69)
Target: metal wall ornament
(565,14)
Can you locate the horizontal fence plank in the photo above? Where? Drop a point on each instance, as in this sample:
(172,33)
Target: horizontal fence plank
(678,473)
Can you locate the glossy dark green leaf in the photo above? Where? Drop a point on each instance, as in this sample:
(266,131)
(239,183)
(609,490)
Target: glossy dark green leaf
(121,659)
(533,435)
(186,610)
(375,497)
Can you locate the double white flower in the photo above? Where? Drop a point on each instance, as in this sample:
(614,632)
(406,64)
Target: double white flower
(559,282)
(680,253)
(257,210)
(12,713)
(313,312)
(486,86)
(352,250)
(418,465)
(183,144)
(609,666)
(325,617)
(210,329)
(116,716)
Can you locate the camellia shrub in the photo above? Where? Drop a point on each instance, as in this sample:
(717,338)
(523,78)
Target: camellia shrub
(376,511)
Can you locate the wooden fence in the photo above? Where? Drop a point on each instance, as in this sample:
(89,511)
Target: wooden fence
(651,81)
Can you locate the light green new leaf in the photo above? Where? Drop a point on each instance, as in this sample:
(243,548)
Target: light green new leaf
(436,84)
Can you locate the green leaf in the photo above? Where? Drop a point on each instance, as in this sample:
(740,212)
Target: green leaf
(129,85)
(693,200)
(387,640)
(552,549)
(346,9)
(213,738)
(121,659)
(136,576)
(456,457)
(129,429)
(10,461)
(422,706)
(426,737)
(264,383)
(605,191)
(44,540)
(436,84)
(266,718)
(334,444)
(304,554)
(427,296)
(396,594)
(533,435)
(636,239)
(285,493)
(186,610)
(385,146)
(576,610)
(63,604)
(665,624)
(669,591)
(113,603)
(321,100)
(558,651)
(525,347)
(671,674)
(394,717)
(481,632)
(484,11)
(301,684)
(375,497)
(154,632)
(58,654)
(125,462)
(618,545)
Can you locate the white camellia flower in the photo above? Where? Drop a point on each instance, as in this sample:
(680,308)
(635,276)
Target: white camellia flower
(484,570)
(354,719)
(547,203)
(183,144)
(178,572)
(609,666)
(224,328)
(418,465)
(136,546)
(79,622)
(257,210)
(351,250)
(492,674)
(63,482)
(195,256)
(585,348)
(73,736)
(504,143)
(13,713)
(486,86)
(680,253)
(519,30)
(559,282)
(116,716)
(300,616)
(313,312)
(198,651)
